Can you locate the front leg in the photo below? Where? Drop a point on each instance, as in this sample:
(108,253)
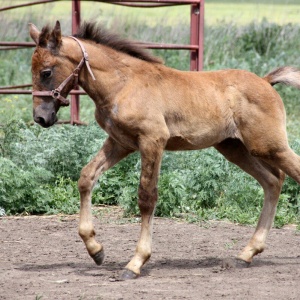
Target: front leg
(109,155)
(151,156)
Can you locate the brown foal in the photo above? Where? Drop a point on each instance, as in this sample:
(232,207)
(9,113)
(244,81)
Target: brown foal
(147,107)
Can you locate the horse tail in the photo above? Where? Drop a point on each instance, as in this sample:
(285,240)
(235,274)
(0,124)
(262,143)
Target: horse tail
(286,75)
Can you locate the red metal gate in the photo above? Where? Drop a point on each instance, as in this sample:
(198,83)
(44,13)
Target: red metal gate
(195,47)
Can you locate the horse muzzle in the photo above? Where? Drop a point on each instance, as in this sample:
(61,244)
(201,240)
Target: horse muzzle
(44,117)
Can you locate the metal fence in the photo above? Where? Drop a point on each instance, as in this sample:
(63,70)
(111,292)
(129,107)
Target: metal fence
(195,47)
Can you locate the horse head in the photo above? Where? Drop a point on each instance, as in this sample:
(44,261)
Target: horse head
(49,70)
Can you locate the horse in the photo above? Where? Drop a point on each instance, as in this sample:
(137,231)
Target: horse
(146,106)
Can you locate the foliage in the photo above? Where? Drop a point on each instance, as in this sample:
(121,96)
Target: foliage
(201,183)
(258,47)
(34,159)
(21,190)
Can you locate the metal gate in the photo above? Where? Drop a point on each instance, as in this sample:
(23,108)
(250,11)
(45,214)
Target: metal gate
(195,47)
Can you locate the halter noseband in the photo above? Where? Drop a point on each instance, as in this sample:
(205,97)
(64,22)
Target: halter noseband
(55,94)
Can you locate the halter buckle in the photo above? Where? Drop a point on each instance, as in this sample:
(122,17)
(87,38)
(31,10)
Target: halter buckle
(55,94)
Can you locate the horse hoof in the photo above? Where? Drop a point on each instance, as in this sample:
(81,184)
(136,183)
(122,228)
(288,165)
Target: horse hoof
(241,263)
(98,257)
(128,274)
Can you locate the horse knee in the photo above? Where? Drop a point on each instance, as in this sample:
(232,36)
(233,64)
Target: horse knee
(85,182)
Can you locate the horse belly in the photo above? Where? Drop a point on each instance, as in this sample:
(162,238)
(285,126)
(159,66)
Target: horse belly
(179,143)
(199,139)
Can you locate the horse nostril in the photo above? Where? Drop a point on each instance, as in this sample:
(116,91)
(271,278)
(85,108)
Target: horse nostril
(40,120)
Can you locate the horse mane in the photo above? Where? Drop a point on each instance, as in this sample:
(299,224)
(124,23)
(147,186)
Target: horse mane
(93,32)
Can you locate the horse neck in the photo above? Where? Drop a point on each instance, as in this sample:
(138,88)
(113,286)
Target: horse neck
(109,67)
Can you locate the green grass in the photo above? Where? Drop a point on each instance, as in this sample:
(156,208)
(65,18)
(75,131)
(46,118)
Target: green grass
(244,12)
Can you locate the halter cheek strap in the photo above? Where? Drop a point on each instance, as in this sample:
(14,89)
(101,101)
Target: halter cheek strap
(56,93)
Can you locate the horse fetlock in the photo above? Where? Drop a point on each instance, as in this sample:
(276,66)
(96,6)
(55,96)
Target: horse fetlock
(146,256)
(86,233)
(137,262)
(88,237)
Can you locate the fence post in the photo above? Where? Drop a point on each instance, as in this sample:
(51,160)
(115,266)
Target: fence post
(197,35)
(75,106)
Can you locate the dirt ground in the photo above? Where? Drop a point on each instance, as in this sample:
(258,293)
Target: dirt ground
(44,258)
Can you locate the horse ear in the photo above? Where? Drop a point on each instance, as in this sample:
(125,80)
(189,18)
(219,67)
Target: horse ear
(34,33)
(55,37)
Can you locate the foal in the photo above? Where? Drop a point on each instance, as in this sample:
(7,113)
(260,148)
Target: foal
(147,107)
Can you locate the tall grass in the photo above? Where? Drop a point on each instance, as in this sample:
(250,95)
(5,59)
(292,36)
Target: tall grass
(39,168)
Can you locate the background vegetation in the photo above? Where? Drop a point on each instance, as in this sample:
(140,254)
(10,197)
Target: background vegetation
(40,167)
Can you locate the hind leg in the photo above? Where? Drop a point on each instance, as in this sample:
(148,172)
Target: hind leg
(270,178)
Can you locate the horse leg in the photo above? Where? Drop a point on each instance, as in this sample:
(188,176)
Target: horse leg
(109,155)
(151,156)
(271,179)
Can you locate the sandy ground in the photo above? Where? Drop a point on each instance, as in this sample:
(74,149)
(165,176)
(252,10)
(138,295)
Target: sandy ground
(44,258)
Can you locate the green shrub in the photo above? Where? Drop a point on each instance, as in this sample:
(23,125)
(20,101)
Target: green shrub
(61,150)
(38,164)
(22,190)
(64,197)
(261,38)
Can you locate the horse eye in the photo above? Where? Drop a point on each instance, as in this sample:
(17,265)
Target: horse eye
(46,74)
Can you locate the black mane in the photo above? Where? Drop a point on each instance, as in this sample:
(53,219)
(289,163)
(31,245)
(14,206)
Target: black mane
(93,32)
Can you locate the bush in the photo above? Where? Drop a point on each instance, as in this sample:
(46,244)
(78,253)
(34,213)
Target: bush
(22,190)
(37,164)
